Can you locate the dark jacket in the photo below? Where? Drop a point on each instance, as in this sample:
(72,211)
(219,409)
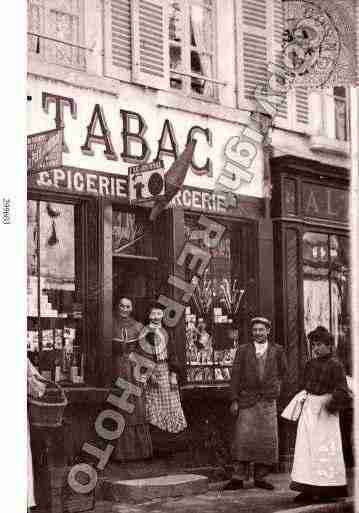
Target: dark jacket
(326,375)
(246,386)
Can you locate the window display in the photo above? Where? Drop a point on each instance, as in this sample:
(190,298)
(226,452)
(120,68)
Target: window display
(54,339)
(326,285)
(211,320)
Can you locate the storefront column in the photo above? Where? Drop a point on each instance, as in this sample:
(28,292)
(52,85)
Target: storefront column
(106,298)
(266,270)
(170,243)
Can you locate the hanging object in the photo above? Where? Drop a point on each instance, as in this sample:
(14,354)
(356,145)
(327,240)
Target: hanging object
(51,211)
(53,240)
(174,179)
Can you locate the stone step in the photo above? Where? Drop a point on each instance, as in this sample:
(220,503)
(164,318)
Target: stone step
(142,490)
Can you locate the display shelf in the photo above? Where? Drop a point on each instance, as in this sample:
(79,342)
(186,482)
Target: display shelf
(195,364)
(135,257)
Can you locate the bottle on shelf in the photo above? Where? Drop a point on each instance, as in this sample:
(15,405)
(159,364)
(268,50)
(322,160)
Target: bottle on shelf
(58,374)
(74,370)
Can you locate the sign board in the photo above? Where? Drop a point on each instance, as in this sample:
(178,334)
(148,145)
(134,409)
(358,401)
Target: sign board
(44,151)
(319,201)
(146,182)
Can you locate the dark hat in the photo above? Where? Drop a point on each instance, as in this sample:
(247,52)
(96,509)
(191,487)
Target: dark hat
(321,334)
(155,305)
(261,320)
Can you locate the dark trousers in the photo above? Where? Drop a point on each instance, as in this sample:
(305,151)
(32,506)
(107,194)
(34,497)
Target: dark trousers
(241,471)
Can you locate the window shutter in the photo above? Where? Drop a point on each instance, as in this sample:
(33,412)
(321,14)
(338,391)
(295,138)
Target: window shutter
(253,35)
(282,118)
(150,59)
(301,121)
(117,37)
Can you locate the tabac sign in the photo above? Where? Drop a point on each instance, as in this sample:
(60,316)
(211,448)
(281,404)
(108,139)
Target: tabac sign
(44,151)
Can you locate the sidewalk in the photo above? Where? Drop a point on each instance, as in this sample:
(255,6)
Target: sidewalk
(249,500)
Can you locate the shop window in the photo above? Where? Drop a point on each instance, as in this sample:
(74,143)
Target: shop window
(191,47)
(54,296)
(326,287)
(214,324)
(56,31)
(134,263)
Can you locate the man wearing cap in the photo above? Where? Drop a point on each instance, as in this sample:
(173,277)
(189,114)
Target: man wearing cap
(258,370)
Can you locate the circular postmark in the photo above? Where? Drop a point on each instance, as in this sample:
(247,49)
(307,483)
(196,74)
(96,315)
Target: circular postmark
(311,43)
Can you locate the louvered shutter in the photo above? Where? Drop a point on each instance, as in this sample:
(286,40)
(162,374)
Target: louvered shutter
(117,38)
(282,118)
(301,109)
(253,35)
(150,58)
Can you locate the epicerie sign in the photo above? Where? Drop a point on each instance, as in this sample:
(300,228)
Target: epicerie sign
(146,182)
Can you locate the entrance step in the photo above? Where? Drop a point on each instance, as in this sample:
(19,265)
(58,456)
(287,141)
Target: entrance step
(142,490)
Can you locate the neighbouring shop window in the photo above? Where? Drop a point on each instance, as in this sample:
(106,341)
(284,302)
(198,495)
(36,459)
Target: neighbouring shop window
(212,320)
(56,31)
(54,301)
(192,50)
(326,287)
(134,263)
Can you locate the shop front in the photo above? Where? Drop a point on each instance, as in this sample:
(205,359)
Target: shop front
(89,244)
(310,210)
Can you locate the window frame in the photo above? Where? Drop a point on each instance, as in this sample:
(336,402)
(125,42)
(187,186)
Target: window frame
(186,48)
(246,271)
(44,38)
(328,233)
(329,127)
(79,266)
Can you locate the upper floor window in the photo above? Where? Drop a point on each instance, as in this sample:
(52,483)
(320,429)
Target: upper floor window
(56,31)
(336,113)
(191,47)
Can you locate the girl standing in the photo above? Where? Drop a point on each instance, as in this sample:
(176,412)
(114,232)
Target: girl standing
(162,400)
(318,469)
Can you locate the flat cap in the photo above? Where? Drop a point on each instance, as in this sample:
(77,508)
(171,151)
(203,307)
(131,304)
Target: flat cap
(261,320)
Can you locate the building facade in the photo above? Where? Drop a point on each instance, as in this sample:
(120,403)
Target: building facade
(132,81)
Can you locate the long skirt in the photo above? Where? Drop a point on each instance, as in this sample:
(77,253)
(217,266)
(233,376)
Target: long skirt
(163,404)
(256,434)
(30,473)
(318,456)
(135,441)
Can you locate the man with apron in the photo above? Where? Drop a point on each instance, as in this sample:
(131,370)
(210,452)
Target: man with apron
(258,370)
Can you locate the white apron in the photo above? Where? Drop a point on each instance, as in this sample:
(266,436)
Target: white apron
(318,456)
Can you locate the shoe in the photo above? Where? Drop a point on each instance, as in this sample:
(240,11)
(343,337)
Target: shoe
(263,484)
(234,484)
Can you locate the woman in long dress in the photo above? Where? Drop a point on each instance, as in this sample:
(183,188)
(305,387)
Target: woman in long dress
(35,388)
(318,468)
(162,400)
(135,441)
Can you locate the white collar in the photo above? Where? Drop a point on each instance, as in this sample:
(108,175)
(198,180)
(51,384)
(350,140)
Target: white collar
(260,348)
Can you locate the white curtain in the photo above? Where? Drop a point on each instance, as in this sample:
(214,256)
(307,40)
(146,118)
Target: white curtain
(201,25)
(316,304)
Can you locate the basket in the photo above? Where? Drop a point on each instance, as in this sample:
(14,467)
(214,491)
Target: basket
(49,411)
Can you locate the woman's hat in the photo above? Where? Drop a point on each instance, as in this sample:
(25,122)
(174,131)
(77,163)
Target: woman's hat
(322,335)
(261,320)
